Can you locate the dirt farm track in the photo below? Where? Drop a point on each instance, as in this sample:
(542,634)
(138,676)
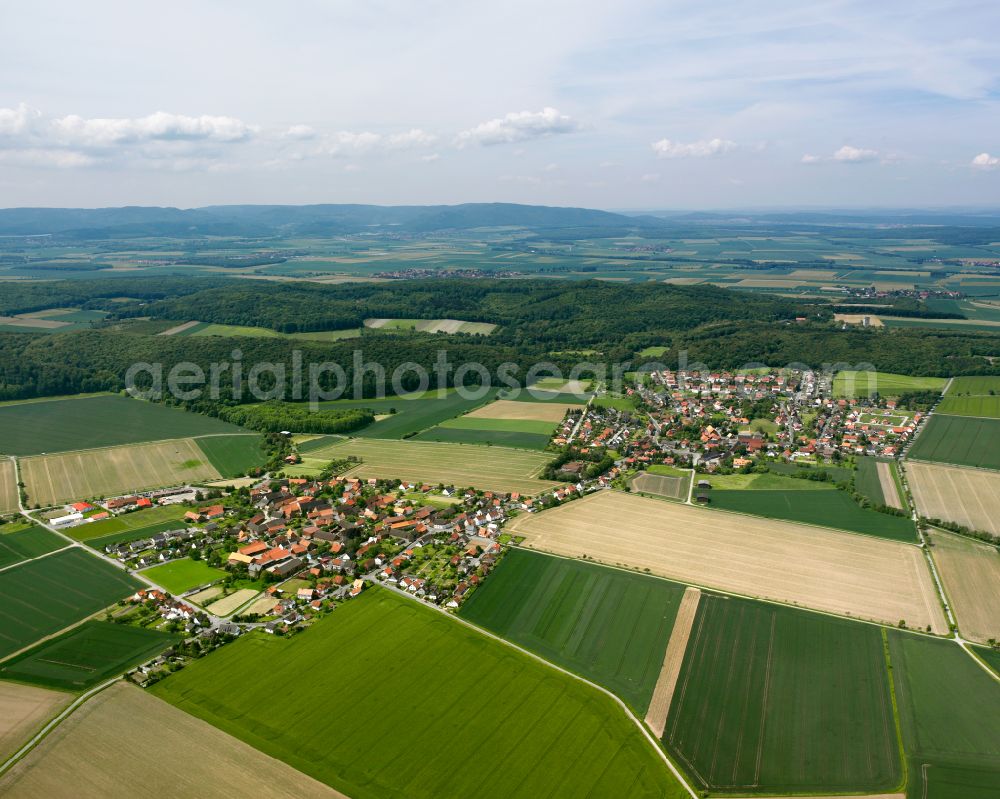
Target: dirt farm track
(827,570)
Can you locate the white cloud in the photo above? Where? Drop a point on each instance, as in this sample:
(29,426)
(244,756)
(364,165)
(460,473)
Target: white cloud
(854,154)
(412,138)
(161,126)
(519,126)
(811,159)
(985,161)
(59,159)
(650,177)
(300,133)
(17,121)
(666,148)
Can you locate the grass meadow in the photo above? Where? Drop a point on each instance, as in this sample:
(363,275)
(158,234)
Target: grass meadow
(233,455)
(182,575)
(59,425)
(86,655)
(127,522)
(774,700)
(450,712)
(864,384)
(44,596)
(607,625)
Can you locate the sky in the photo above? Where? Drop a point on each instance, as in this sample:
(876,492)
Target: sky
(632,104)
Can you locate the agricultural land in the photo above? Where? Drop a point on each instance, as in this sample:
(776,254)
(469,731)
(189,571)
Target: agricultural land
(494,468)
(864,384)
(24,541)
(86,750)
(556,734)
(59,425)
(960,441)
(135,521)
(876,480)
(432,326)
(608,625)
(969,497)
(86,655)
(949,708)
(53,479)
(44,596)
(970,571)
(526,425)
(180,576)
(24,709)
(972,396)
(8,487)
(824,569)
(233,455)
(670,487)
(773,699)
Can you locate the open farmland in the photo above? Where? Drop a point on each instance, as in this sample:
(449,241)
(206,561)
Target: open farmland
(958,440)
(779,700)
(875,479)
(949,709)
(26,543)
(864,384)
(24,709)
(88,749)
(485,436)
(198,329)
(128,522)
(183,574)
(462,465)
(54,479)
(847,574)
(970,571)
(59,425)
(972,396)
(44,596)
(528,411)
(457,689)
(662,485)
(86,655)
(233,455)
(233,602)
(831,508)
(610,626)
(432,326)
(970,497)
(8,487)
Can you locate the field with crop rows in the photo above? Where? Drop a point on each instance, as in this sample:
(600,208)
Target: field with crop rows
(44,596)
(551,733)
(608,625)
(773,699)
(970,571)
(970,497)
(233,455)
(26,542)
(127,522)
(183,574)
(8,487)
(959,440)
(864,384)
(24,709)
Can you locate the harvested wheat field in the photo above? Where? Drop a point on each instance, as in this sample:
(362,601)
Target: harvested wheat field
(673,658)
(8,487)
(24,709)
(970,497)
(888,484)
(228,604)
(204,597)
(125,743)
(53,479)
(828,570)
(528,411)
(971,575)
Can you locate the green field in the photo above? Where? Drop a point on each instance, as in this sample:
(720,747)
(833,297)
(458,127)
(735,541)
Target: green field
(991,656)
(765,481)
(949,710)
(182,575)
(618,403)
(609,626)
(980,385)
(866,479)
(448,711)
(132,535)
(772,699)
(503,425)
(212,329)
(988,406)
(86,655)
(839,474)
(127,522)
(31,428)
(816,506)
(44,596)
(409,414)
(26,543)
(863,384)
(233,455)
(958,440)
(500,438)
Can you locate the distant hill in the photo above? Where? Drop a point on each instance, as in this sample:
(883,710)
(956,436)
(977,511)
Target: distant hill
(255,220)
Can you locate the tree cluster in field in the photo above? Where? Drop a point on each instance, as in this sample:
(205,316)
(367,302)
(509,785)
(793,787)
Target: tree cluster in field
(961,529)
(274,417)
(921,401)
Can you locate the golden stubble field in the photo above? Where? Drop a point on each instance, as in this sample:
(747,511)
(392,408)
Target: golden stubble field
(828,570)
(526,411)
(970,497)
(971,575)
(24,709)
(461,465)
(8,487)
(125,743)
(54,479)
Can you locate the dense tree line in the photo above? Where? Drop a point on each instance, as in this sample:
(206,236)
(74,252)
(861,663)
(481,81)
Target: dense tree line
(276,417)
